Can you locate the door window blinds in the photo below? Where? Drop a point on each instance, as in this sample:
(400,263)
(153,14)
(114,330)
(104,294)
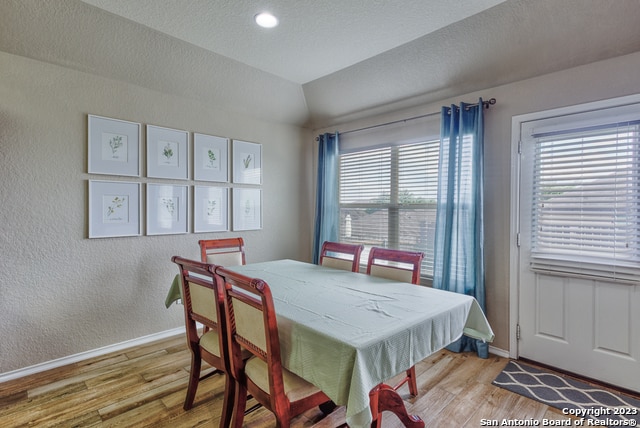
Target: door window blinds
(586,198)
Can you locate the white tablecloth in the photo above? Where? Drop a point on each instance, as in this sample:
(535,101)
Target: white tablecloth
(347,332)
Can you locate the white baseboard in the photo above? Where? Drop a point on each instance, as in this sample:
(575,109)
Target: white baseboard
(4,377)
(499,352)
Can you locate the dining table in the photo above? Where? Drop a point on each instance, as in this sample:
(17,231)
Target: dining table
(348,333)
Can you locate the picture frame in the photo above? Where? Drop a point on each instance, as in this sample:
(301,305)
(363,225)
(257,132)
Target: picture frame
(247,162)
(210,209)
(210,158)
(247,209)
(167,209)
(114,209)
(167,153)
(113,146)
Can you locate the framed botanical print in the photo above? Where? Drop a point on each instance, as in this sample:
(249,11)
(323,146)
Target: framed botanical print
(247,162)
(113,146)
(167,209)
(247,209)
(114,209)
(210,158)
(210,209)
(167,153)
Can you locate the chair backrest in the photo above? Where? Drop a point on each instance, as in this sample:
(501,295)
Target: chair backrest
(203,298)
(338,255)
(252,325)
(397,265)
(222,252)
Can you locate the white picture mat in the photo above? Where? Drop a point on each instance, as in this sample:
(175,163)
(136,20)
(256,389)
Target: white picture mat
(167,153)
(114,209)
(167,209)
(113,146)
(210,209)
(210,158)
(247,162)
(247,209)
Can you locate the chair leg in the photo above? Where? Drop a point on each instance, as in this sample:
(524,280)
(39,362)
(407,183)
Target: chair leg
(228,401)
(413,386)
(194,378)
(410,379)
(376,414)
(239,403)
(387,399)
(283,421)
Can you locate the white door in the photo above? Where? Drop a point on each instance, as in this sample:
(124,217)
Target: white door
(571,317)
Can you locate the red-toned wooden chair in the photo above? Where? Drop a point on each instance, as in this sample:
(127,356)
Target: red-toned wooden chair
(397,265)
(203,299)
(223,252)
(403,266)
(338,255)
(253,326)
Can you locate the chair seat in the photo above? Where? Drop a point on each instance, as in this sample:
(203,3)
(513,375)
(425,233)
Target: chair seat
(295,388)
(210,342)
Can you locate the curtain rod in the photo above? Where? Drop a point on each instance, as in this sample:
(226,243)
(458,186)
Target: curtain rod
(486,104)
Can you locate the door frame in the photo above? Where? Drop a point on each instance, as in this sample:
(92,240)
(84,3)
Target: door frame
(514,227)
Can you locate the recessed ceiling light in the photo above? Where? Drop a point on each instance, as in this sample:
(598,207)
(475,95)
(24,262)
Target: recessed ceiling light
(266,20)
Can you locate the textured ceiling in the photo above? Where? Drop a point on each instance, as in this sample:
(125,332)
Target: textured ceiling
(514,41)
(329,61)
(314,38)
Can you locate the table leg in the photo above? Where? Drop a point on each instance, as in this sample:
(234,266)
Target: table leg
(383,397)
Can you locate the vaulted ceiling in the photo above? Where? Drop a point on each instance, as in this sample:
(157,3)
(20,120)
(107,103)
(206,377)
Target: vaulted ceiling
(327,60)
(313,39)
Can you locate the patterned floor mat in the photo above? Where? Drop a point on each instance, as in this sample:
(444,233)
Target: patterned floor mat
(580,399)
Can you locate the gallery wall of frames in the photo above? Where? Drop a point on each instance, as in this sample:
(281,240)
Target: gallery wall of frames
(214,187)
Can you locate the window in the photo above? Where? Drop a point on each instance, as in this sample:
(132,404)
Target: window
(388,198)
(586,195)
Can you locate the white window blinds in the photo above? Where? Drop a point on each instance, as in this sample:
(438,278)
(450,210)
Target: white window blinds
(387,198)
(586,200)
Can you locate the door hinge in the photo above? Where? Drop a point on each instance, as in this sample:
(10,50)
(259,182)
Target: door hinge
(519,147)
(517,331)
(518,239)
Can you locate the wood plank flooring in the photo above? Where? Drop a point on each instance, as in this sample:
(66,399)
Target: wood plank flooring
(145,387)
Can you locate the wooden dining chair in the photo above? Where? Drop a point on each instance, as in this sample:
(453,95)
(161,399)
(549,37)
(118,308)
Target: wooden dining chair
(253,326)
(397,265)
(403,266)
(339,255)
(203,299)
(223,252)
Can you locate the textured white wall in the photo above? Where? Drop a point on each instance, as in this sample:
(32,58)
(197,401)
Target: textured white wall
(62,293)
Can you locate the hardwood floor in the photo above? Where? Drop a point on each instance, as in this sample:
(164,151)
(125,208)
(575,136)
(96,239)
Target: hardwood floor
(145,387)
